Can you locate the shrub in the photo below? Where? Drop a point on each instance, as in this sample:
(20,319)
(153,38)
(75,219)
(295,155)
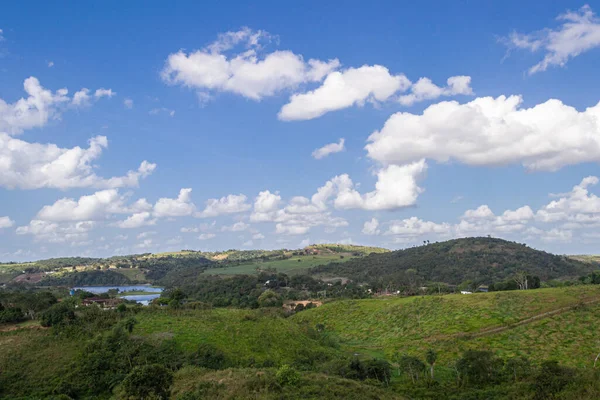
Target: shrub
(208,356)
(287,376)
(58,314)
(269,298)
(147,382)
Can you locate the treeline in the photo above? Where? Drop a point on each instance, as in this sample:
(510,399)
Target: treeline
(245,291)
(86,278)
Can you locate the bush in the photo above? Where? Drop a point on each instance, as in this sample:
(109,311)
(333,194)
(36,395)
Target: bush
(269,298)
(147,382)
(58,314)
(208,356)
(287,376)
(11,315)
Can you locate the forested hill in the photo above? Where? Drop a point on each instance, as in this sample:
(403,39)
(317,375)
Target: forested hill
(480,259)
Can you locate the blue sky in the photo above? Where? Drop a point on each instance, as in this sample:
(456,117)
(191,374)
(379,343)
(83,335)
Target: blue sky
(434,121)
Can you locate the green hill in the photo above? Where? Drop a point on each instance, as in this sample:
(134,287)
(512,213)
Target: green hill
(482,260)
(556,323)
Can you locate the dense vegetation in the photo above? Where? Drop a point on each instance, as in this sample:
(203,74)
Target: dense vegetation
(185,352)
(478,260)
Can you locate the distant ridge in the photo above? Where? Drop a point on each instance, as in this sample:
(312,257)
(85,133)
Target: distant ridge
(480,259)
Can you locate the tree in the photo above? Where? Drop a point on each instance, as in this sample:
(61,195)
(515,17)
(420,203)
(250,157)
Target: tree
(58,314)
(431,357)
(551,379)
(521,279)
(479,368)
(208,356)
(411,366)
(269,298)
(147,382)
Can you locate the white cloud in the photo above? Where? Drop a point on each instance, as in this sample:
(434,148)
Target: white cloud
(104,93)
(304,243)
(291,229)
(258,236)
(416,227)
(371,227)
(225,205)
(579,33)
(578,207)
(34,111)
(249,73)
(6,222)
(137,220)
(128,103)
(57,233)
(328,149)
(489,132)
(87,208)
(1,35)
(179,207)
(81,97)
(340,90)
(27,165)
(237,227)
(50,64)
(248,243)
(266,202)
(482,212)
(396,187)
(425,89)
(174,241)
(206,236)
(156,111)
(146,234)
(146,244)
(189,229)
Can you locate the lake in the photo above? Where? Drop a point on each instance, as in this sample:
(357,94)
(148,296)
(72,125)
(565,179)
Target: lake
(151,292)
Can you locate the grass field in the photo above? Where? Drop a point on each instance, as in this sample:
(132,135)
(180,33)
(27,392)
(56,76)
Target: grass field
(246,336)
(449,324)
(291,266)
(132,273)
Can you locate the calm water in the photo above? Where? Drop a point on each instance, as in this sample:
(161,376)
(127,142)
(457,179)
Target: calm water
(154,292)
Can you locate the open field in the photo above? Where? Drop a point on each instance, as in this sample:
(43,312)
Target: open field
(291,266)
(246,336)
(453,323)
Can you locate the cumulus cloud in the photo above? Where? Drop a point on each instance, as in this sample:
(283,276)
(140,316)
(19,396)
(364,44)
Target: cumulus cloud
(578,208)
(179,207)
(137,220)
(579,33)
(225,205)
(489,132)
(27,165)
(396,187)
(328,149)
(91,207)
(266,202)
(56,232)
(416,227)
(6,222)
(40,106)
(343,89)
(371,227)
(128,103)
(425,89)
(291,229)
(250,73)
(237,227)
(258,236)
(104,93)
(206,236)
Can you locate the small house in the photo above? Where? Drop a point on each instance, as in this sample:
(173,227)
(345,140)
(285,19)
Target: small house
(483,288)
(465,292)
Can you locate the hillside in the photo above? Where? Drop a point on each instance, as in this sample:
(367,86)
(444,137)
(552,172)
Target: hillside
(481,259)
(176,267)
(540,324)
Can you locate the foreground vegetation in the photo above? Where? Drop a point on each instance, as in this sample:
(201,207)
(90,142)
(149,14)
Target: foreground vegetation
(483,345)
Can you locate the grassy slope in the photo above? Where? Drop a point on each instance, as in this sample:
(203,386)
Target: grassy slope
(411,325)
(242,334)
(290,266)
(257,384)
(39,358)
